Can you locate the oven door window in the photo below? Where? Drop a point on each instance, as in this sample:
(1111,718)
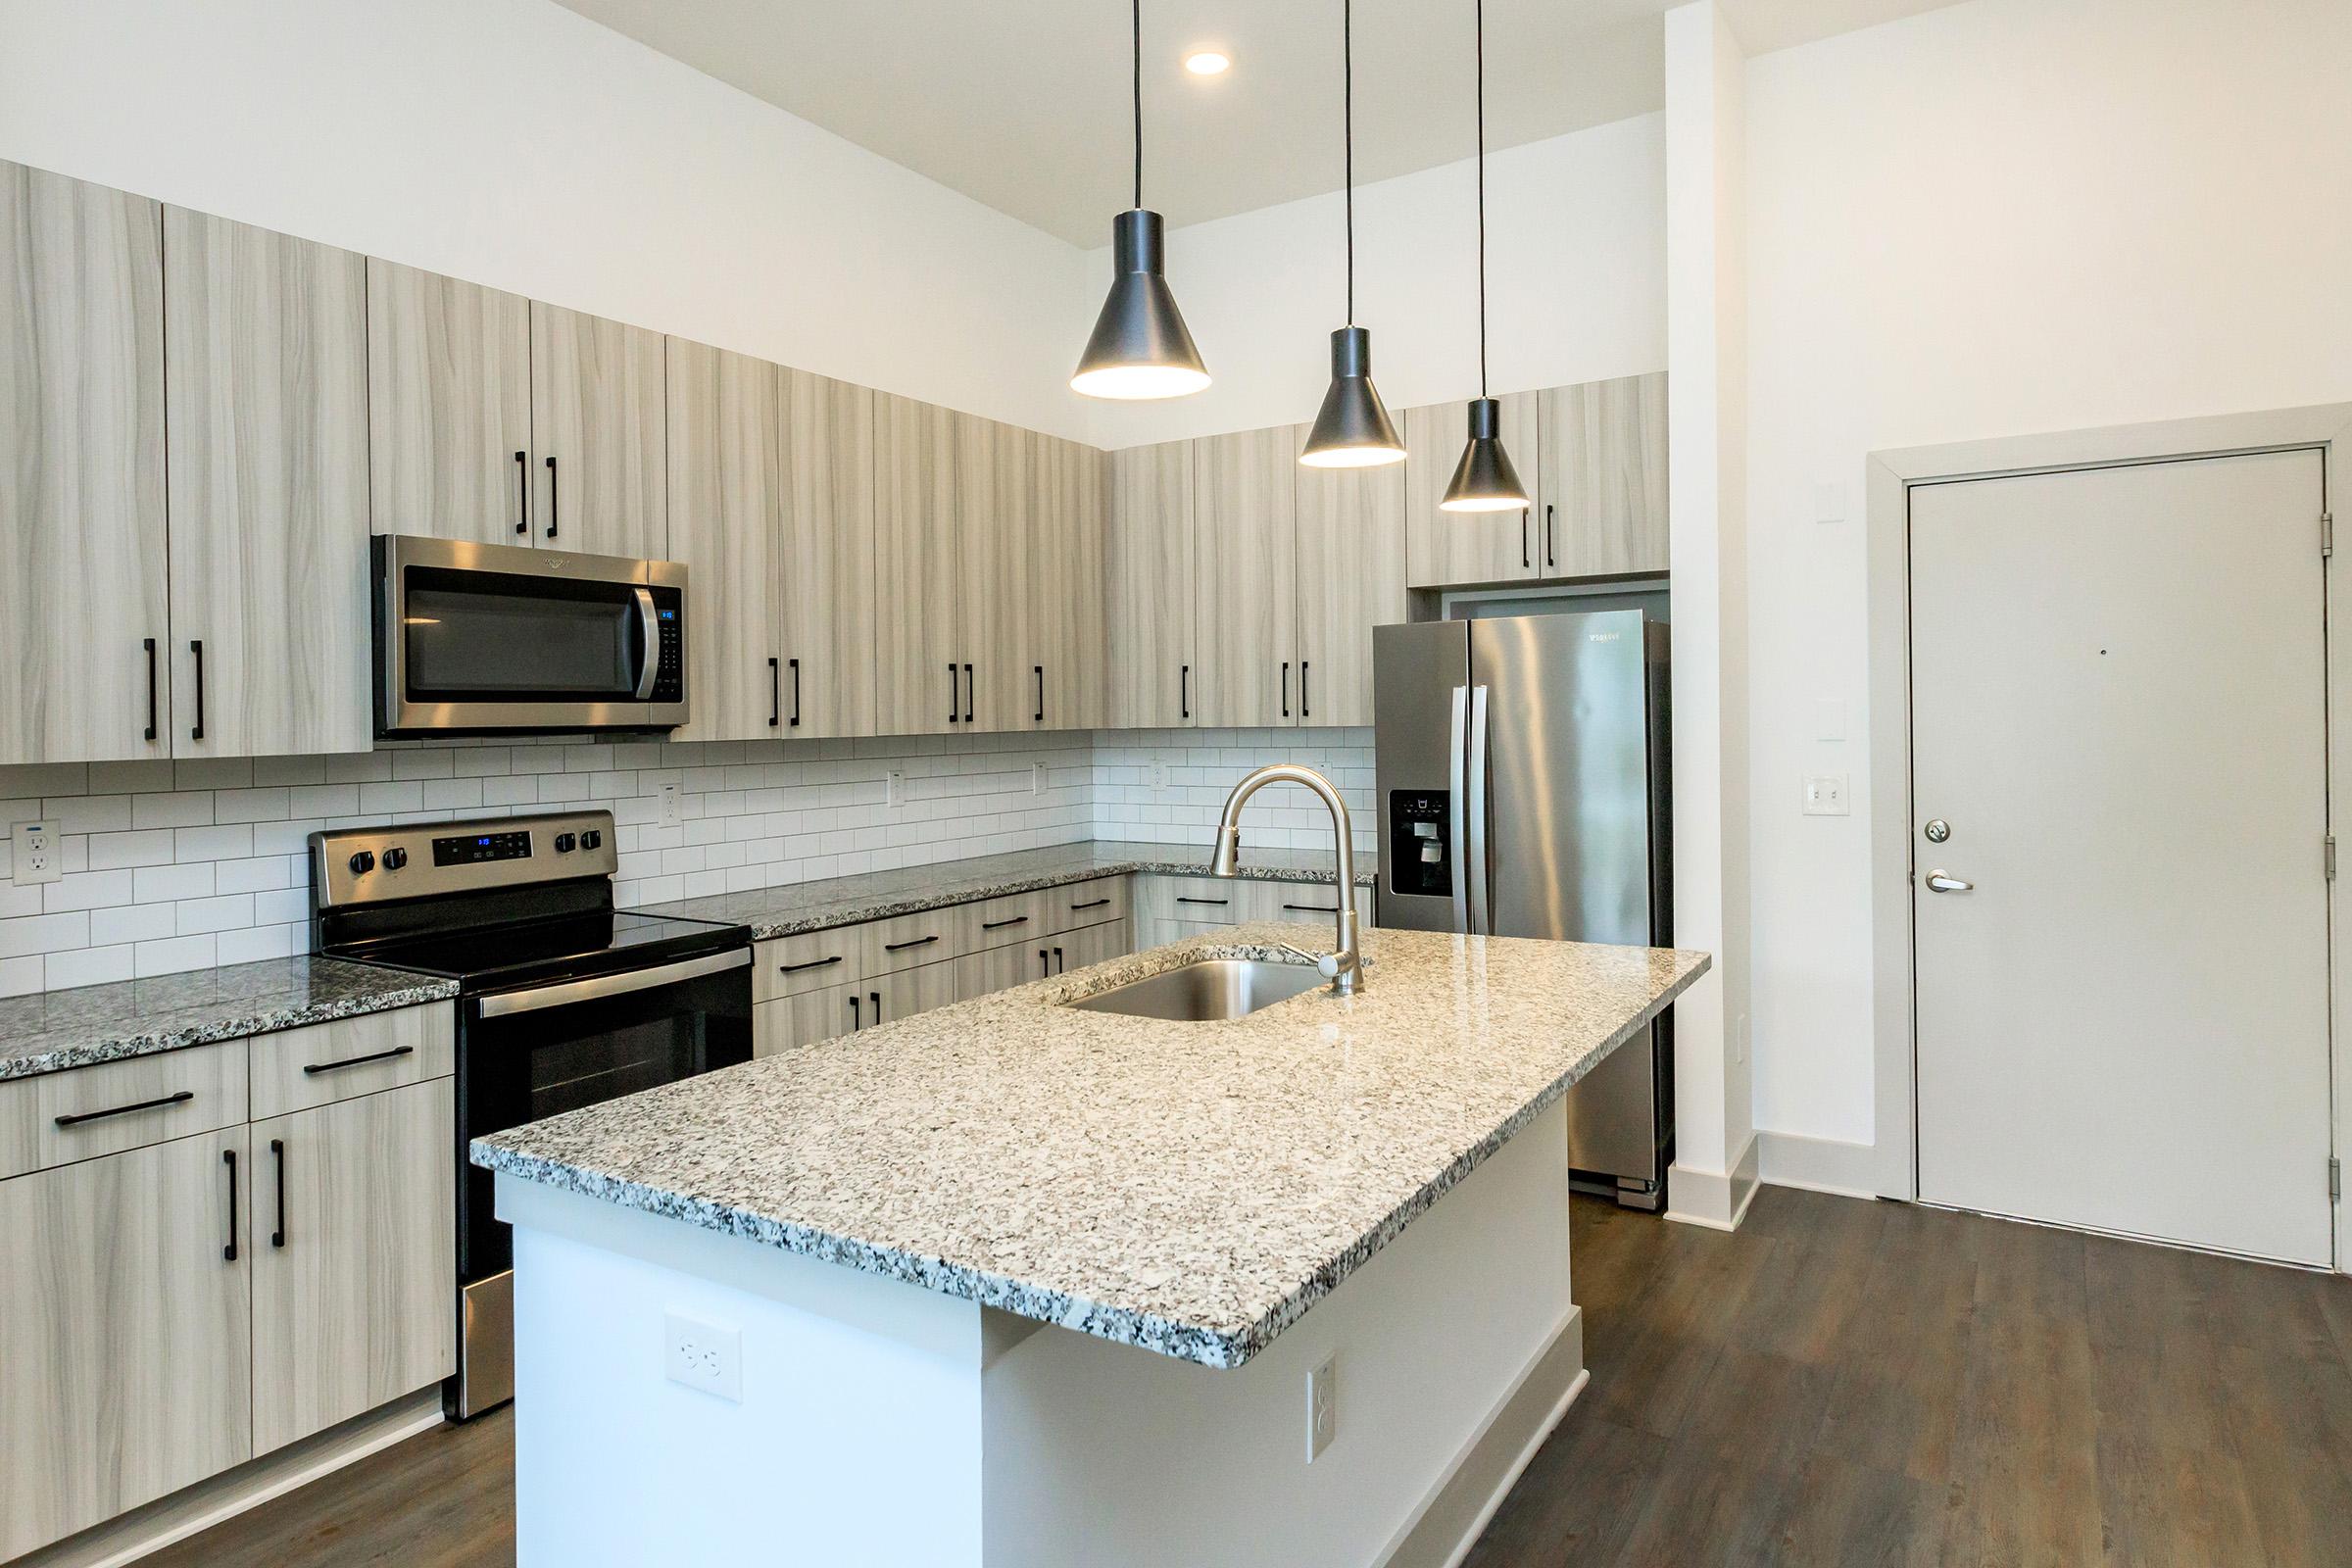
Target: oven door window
(481,637)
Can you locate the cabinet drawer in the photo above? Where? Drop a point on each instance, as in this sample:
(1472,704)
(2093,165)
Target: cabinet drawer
(295,1069)
(907,942)
(1085,903)
(1000,922)
(84,1113)
(795,965)
(1218,900)
(1298,900)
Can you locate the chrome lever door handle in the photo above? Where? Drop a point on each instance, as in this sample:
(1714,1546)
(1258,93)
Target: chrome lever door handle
(1939,882)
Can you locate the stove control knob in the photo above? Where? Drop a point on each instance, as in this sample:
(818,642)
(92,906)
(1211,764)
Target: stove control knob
(564,843)
(591,839)
(395,859)
(363,863)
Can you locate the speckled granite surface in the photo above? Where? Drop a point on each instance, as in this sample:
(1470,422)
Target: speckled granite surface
(60,1029)
(780,911)
(1188,1187)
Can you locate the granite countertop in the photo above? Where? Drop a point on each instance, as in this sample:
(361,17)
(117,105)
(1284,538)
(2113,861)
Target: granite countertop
(1188,1187)
(781,911)
(53,1030)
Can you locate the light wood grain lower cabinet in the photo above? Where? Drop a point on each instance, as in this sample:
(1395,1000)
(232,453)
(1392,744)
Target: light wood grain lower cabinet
(1604,486)
(727,525)
(889,998)
(1092,944)
(918,663)
(125,1369)
(1244,594)
(1153,636)
(828,591)
(982,974)
(1351,549)
(449,408)
(354,1258)
(598,435)
(1443,549)
(790,1023)
(81,472)
(265,378)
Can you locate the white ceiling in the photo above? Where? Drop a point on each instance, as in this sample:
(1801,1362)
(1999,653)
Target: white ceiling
(1024,105)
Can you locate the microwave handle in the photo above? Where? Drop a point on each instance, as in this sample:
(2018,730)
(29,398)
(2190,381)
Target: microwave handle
(598,987)
(651,626)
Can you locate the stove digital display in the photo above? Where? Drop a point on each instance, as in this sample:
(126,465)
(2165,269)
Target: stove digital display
(475,849)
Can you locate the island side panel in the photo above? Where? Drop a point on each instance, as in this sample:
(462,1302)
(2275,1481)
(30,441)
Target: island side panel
(1455,1351)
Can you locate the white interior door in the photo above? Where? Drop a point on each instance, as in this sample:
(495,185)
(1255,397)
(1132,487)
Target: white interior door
(2119,706)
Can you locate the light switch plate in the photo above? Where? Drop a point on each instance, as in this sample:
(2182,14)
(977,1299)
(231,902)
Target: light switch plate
(35,852)
(703,1355)
(1825,794)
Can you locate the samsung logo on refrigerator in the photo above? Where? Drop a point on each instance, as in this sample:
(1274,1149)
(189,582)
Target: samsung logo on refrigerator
(1605,636)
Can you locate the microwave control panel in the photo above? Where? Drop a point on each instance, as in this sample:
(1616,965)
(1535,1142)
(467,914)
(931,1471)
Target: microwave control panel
(669,652)
(1420,841)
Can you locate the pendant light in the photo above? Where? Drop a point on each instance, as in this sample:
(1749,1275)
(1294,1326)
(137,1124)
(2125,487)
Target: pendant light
(1484,480)
(1139,347)
(1351,430)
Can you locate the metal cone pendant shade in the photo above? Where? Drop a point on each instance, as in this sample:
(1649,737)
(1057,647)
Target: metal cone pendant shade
(1140,347)
(1485,480)
(1353,428)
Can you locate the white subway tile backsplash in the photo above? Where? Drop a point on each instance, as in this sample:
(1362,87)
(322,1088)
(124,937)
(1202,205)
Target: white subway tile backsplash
(87,967)
(172,955)
(250,805)
(234,842)
(196,917)
(180,808)
(132,922)
(162,884)
(212,773)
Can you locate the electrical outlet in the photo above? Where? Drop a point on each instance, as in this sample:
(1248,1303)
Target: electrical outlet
(1037,778)
(1322,1405)
(35,852)
(1825,794)
(702,1356)
(1160,775)
(893,788)
(673,811)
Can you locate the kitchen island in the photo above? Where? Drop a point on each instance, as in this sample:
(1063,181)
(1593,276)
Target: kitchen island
(1019,1282)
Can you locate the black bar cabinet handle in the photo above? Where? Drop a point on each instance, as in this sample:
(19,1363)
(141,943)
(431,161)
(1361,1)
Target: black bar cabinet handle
(914,942)
(1551,542)
(999,925)
(277,1152)
(197,648)
(1060,965)
(180,1099)
(796,694)
(1524,559)
(855,1025)
(1183,900)
(229,1253)
(312,1069)
(969,687)
(1184,693)
(1045,965)
(1286,688)
(875,997)
(1096,904)
(1313,909)
(150,688)
(775,693)
(813,964)
(1041,693)
(554,511)
(953,717)
(522,492)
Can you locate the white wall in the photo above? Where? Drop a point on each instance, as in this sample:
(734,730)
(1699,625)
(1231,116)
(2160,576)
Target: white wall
(1576,254)
(2006,216)
(514,143)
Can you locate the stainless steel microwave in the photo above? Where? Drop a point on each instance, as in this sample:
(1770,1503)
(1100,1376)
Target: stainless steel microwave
(478,639)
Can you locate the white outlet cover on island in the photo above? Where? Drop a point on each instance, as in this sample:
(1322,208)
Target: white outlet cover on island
(703,1355)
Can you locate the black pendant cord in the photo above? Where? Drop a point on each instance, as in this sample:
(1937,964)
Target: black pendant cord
(1139,102)
(1479,35)
(1347,137)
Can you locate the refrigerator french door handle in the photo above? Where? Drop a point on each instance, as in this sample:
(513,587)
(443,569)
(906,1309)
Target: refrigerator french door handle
(1459,794)
(1476,873)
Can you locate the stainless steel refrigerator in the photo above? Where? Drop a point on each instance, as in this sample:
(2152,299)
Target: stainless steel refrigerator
(1523,791)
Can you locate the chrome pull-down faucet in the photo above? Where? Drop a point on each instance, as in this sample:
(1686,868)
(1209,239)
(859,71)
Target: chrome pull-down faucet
(1343,968)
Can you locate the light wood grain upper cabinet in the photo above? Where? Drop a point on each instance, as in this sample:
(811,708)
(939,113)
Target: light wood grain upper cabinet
(1245,598)
(1153,637)
(919,679)
(353,1252)
(1069,635)
(449,408)
(266,384)
(1447,548)
(597,435)
(81,472)
(726,524)
(994,506)
(829,591)
(124,1316)
(1350,579)
(1603,487)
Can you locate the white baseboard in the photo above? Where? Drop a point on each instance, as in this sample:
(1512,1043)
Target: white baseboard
(1716,1199)
(1819,1164)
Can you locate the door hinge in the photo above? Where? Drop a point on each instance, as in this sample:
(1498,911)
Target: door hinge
(2327,535)
(2335,1178)
(2331,856)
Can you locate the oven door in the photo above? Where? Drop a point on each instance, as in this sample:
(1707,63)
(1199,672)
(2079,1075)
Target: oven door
(474,638)
(524,1055)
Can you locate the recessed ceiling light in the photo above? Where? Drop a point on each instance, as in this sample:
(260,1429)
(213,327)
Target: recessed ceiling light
(1207,63)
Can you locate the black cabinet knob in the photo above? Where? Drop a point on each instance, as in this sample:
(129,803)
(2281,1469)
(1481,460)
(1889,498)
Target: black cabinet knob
(363,863)
(395,858)
(564,842)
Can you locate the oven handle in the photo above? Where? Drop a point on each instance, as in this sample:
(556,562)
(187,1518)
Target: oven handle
(508,1003)
(653,644)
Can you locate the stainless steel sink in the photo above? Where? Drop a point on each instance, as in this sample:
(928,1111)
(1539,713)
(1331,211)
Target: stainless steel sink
(1205,990)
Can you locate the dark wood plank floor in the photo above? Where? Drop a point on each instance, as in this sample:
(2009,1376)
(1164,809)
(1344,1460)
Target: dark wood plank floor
(1837,1383)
